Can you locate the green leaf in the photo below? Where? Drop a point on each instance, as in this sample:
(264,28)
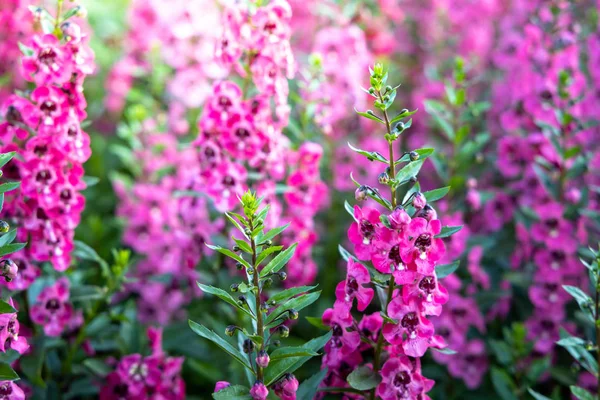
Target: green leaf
(363,378)
(445,350)
(402,115)
(234,392)
(216,339)
(277,369)
(291,292)
(448,231)
(436,194)
(503,383)
(317,322)
(223,295)
(411,169)
(90,181)
(86,293)
(371,155)
(6,157)
(272,233)
(8,186)
(98,367)
(502,351)
(581,393)
(235,223)
(571,341)
(229,254)
(85,252)
(537,368)
(266,253)
(537,396)
(8,237)
(369,116)
(296,303)
(444,270)
(423,153)
(287,352)
(308,389)
(11,248)
(584,301)
(6,308)
(242,245)
(581,354)
(279,261)
(71,13)
(7,373)
(349,209)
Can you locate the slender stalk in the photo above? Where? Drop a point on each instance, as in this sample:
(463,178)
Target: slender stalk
(390,292)
(259,316)
(597,320)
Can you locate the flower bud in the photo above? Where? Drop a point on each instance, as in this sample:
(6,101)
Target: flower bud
(236,248)
(262,359)
(361,193)
(283,331)
(413,179)
(248,346)
(276,343)
(230,330)
(383,178)
(400,126)
(248,232)
(264,307)
(419,201)
(282,276)
(4,226)
(242,301)
(371,90)
(250,271)
(221,385)
(259,391)
(81,12)
(286,387)
(235,287)
(9,270)
(414,156)
(399,218)
(71,31)
(293,314)
(267,283)
(388,88)
(428,213)
(370,112)
(268,243)
(239,266)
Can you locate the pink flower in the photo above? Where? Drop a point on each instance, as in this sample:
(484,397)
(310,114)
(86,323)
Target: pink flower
(352,288)
(412,331)
(470,363)
(9,333)
(424,250)
(343,342)
(400,381)
(221,385)
(362,232)
(553,229)
(428,292)
(49,63)
(52,309)
(10,391)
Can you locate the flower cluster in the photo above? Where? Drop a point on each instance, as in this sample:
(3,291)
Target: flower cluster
(542,157)
(404,246)
(143,377)
(44,128)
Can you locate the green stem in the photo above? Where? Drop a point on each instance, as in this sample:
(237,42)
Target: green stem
(259,317)
(390,292)
(59,7)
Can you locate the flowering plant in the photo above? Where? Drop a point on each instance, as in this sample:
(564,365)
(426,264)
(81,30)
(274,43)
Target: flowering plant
(266,363)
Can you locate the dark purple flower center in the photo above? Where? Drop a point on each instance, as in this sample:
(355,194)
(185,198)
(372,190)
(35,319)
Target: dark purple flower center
(558,256)
(228,181)
(52,305)
(40,150)
(242,133)
(6,389)
(427,284)
(43,176)
(410,321)
(47,56)
(402,379)
(66,195)
(121,390)
(13,115)
(394,255)
(72,131)
(366,228)
(48,107)
(225,102)
(552,223)
(351,286)
(423,242)
(547,324)
(270,26)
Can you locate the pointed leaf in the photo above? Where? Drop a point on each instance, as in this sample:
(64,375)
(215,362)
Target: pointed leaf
(233,392)
(363,378)
(279,261)
(291,292)
(448,231)
(296,303)
(444,270)
(308,389)
(223,295)
(436,194)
